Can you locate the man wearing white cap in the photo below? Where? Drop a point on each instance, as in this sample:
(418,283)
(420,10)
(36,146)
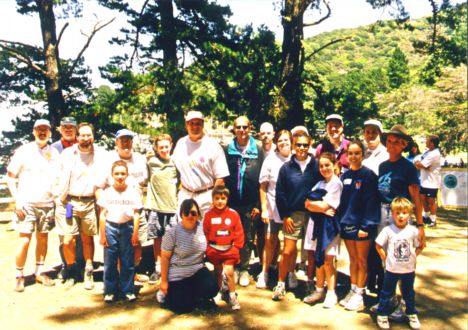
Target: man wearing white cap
(137,178)
(33,164)
(376,152)
(335,142)
(200,161)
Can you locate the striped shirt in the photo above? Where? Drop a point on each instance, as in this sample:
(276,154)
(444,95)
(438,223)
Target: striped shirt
(188,251)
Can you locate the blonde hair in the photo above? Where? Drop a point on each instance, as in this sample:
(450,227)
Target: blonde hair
(401,203)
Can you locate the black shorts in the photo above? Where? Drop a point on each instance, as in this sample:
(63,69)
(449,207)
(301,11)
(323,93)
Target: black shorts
(429,192)
(350,232)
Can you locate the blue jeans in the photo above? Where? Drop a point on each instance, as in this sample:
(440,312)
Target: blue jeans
(388,290)
(119,247)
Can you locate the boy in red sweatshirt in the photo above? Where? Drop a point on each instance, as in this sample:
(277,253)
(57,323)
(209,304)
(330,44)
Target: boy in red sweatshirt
(225,236)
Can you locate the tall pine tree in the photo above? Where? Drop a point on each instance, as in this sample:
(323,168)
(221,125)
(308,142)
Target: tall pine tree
(397,71)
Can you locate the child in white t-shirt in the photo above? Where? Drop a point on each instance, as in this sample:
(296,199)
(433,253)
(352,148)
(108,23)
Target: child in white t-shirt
(118,231)
(397,245)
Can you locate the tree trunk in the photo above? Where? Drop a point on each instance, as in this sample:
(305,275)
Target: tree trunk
(168,41)
(291,63)
(55,99)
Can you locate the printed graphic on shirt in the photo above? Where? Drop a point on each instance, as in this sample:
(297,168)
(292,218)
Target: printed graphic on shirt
(402,251)
(358,184)
(223,233)
(385,182)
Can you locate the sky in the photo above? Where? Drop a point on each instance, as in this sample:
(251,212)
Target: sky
(26,29)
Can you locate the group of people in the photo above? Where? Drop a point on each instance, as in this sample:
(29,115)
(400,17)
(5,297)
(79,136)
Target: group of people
(208,202)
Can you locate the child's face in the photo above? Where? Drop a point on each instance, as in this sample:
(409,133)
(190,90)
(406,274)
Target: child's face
(119,174)
(401,217)
(326,168)
(163,149)
(220,201)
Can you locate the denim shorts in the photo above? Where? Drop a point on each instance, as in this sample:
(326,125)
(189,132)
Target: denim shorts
(159,222)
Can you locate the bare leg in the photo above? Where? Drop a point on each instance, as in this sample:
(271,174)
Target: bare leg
(289,251)
(362,249)
(22,251)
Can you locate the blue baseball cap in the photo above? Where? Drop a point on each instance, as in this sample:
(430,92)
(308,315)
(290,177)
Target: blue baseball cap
(124,132)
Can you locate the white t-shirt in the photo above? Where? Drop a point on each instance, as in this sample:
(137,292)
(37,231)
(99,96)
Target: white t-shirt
(35,169)
(373,158)
(269,173)
(334,187)
(80,172)
(199,163)
(120,205)
(430,177)
(137,170)
(400,245)
(303,163)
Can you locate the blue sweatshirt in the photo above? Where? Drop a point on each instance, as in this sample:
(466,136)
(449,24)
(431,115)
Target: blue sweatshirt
(360,203)
(293,185)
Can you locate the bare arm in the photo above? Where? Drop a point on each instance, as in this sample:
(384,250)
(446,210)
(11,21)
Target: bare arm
(414,193)
(317,206)
(381,252)
(165,258)
(136,226)
(263,201)
(102,227)
(11,182)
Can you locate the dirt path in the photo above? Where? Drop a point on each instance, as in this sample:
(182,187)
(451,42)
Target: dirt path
(441,287)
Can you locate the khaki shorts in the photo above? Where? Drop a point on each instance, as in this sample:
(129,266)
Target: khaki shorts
(143,228)
(83,221)
(300,221)
(40,219)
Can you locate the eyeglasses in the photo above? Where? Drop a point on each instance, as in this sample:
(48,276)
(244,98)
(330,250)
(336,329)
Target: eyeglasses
(302,145)
(192,213)
(242,127)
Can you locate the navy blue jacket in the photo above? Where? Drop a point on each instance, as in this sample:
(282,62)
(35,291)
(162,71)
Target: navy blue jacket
(293,186)
(359,203)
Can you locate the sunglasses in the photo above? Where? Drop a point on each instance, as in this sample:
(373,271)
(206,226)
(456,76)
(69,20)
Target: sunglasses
(303,145)
(192,213)
(242,127)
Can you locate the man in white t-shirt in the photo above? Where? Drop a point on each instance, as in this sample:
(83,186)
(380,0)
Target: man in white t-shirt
(200,161)
(430,178)
(33,164)
(81,168)
(266,134)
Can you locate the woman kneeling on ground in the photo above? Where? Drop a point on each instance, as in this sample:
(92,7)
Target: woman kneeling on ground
(185,281)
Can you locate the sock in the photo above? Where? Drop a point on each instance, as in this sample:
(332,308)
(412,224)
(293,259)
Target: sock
(19,272)
(39,269)
(331,292)
(232,294)
(353,287)
(433,218)
(425,214)
(89,266)
(157,268)
(319,289)
(359,291)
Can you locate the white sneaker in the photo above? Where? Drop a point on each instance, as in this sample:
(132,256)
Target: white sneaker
(244,278)
(108,298)
(88,280)
(160,297)
(355,302)
(279,292)
(345,300)
(414,321)
(262,280)
(235,306)
(382,322)
(292,280)
(314,297)
(330,300)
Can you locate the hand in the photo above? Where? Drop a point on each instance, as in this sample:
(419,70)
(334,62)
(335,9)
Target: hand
(421,238)
(288,225)
(20,214)
(418,251)
(135,240)
(265,217)
(362,234)
(330,212)
(254,213)
(103,240)
(149,154)
(164,286)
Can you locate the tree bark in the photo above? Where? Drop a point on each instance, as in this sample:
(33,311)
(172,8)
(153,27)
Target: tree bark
(55,99)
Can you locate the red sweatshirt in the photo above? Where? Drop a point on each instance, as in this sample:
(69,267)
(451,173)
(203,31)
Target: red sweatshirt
(223,227)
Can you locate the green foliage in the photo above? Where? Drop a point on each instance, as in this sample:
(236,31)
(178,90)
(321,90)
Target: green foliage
(397,71)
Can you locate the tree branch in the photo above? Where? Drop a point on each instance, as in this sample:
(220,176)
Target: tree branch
(21,44)
(97,27)
(61,33)
(325,46)
(137,36)
(20,56)
(321,19)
